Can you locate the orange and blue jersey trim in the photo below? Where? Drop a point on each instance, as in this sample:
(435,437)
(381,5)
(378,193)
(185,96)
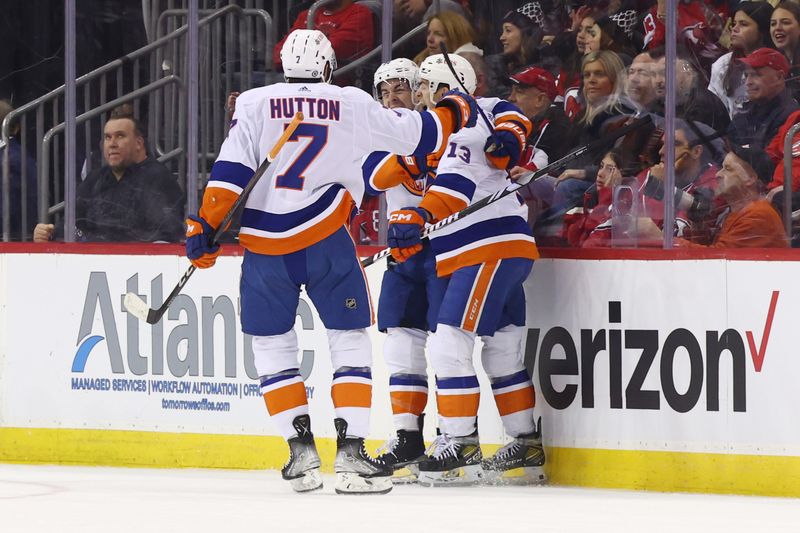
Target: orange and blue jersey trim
(514,393)
(225,185)
(352,388)
(449,193)
(284,392)
(485,241)
(478,295)
(283,233)
(458,396)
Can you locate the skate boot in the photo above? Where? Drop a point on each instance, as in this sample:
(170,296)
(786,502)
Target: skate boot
(519,462)
(402,453)
(356,471)
(452,461)
(302,468)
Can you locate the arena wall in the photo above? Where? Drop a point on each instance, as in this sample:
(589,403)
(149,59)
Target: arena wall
(657,372)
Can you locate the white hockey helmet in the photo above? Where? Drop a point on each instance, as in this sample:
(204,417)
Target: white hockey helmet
(435,71)
(305,53)
(396,69)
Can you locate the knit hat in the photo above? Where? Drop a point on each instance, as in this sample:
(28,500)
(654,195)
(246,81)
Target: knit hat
(758,160)
(528,15)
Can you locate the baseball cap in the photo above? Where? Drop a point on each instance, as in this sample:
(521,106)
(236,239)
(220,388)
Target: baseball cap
(767,57)
(537,77)
(758,160)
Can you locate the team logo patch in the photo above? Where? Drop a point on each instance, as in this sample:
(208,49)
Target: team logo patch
(350,303)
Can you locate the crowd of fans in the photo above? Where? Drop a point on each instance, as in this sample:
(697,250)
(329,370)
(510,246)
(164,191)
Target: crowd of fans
(580,70)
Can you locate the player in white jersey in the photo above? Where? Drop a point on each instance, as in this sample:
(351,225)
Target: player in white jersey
(403,310)
(293,228)
(486,257)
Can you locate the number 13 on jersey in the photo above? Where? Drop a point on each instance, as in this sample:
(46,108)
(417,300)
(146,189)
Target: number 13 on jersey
(316,136)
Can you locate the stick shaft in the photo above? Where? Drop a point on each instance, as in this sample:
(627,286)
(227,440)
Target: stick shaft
(513,187)
(154,315)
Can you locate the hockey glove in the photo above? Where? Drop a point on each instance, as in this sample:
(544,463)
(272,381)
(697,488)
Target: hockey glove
(463,106)
(505,146)
(405,228)
(198,247)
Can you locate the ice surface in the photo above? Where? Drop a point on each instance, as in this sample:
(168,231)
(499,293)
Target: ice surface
(67,499)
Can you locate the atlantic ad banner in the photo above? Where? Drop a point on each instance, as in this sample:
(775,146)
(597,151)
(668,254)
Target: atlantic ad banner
(638,355)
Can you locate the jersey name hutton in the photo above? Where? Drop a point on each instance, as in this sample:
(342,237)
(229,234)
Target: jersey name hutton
(318,108)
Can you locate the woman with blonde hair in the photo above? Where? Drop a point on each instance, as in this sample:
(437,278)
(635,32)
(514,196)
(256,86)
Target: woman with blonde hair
(603,74)
(453,30)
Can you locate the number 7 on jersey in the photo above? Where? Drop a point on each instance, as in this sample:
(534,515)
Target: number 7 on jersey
(292,177)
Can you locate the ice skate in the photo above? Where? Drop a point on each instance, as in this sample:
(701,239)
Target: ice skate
(452,461)
(520,462)
(356,471)
(302,468)
(403,453)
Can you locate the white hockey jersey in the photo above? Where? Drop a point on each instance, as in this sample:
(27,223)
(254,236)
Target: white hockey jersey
(311,188)
(465,175)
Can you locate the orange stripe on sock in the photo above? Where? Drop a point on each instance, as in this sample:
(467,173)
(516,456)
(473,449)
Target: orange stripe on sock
(408,402)
(285,398)
(515,401)
(457,405)
(478,296)
(351,395)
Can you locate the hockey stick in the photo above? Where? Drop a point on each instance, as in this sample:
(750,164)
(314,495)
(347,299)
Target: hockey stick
(137,307)
(521,182)
(490,125)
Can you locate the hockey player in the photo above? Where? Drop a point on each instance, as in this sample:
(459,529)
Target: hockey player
(293,228)
(485,257)
(412,290)
(403,310)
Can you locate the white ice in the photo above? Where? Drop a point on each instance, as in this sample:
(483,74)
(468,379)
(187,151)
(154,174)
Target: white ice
(64,499)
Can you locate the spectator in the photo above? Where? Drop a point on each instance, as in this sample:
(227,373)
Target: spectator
(770,103)
(534,90)
(751,222)
(347,26)
(132,197)
(690,13)
(603,91)
(590,226)
(451,29)
(521,36)
(18,177)
(693,101)
(750,31)
(785,33)
(410,13)
(641,91)
(696,150)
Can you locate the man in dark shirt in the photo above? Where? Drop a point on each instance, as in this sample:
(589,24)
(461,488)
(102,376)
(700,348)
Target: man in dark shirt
(132,197)
(770,102)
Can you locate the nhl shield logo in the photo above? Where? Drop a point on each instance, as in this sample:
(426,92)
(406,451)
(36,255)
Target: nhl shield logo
(350,303)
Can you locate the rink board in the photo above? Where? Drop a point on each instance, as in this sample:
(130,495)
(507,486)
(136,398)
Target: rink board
(679,395)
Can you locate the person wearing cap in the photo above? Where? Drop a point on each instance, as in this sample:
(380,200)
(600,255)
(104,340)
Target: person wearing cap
(749,220)
(533,90)
(770,102)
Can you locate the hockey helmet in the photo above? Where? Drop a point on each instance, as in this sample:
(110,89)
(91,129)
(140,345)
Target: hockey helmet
(396,69)
(305,53)
(435,71)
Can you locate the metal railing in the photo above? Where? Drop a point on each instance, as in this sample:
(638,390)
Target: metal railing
(162,102)
(788,183)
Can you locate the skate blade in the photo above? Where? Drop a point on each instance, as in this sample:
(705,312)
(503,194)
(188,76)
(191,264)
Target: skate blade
(310,480)
(352,483)
(529,475)
(462,476)
(405,475)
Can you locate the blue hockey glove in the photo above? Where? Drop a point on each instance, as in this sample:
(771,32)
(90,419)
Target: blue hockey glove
(405,228)
(463,106)
(198,237)
(505,146)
